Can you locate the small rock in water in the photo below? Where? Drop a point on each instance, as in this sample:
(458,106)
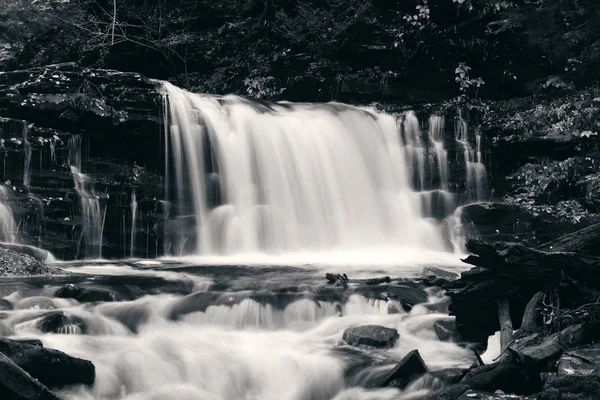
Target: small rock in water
(410,367)
(445,330)
(408,296)
(371,335)
(5,305)
(52,322)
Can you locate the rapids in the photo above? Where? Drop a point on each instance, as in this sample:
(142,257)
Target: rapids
(242,332)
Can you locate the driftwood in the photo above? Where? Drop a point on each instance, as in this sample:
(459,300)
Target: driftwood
(506,327)
(584,241)
(515,272)
(337,279)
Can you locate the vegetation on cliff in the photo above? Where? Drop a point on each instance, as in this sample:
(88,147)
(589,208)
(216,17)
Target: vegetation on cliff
(348,50)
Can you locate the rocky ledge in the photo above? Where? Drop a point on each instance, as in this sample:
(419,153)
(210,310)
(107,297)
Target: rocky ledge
(116,118)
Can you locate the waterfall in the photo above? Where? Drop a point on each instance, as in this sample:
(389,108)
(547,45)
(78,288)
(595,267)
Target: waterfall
(8,228)
(134,205)
(476,178)
(246,177)
(92,216)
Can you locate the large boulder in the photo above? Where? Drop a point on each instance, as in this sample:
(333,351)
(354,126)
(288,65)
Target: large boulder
(16,384)
(51,367)
(371,335)
(410,367)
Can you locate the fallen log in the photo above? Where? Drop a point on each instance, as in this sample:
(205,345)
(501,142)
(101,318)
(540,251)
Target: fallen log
(584,241)
(337,279)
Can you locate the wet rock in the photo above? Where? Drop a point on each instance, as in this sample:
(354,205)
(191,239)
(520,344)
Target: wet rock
(438,276)
(408,296)
(52,322)
(16,384)
(410,367)
(445,330)
(584,361)
(57,322)
(371,335)
(51,367)
(85,294)
(5,305)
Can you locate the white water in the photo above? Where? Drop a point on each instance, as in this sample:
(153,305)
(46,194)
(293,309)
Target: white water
(247,350)
(92,215)
(292,178)
(8,228)
(134,205)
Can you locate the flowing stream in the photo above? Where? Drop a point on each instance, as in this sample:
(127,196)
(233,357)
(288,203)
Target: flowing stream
(242,333)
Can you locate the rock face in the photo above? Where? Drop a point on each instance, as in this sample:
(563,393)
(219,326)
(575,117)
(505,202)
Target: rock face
(108,120)
(371,335)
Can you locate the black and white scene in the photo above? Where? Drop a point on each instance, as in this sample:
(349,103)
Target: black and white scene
(299,199)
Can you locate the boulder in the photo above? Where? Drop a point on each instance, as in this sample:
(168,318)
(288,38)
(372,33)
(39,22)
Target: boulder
(438,276)
(57,322)
(583,361)
(52,322)
(51,367)
(410,367)
(16,384)
(445,329)
(371,335)
(85,294)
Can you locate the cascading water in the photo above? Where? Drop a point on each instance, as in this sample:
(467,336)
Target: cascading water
(284,178)
(8,228)
(92,215)
(133,207)
(476,177)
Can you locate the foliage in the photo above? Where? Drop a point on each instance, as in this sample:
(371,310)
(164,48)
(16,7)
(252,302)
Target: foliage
(322,50)
(465,82)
